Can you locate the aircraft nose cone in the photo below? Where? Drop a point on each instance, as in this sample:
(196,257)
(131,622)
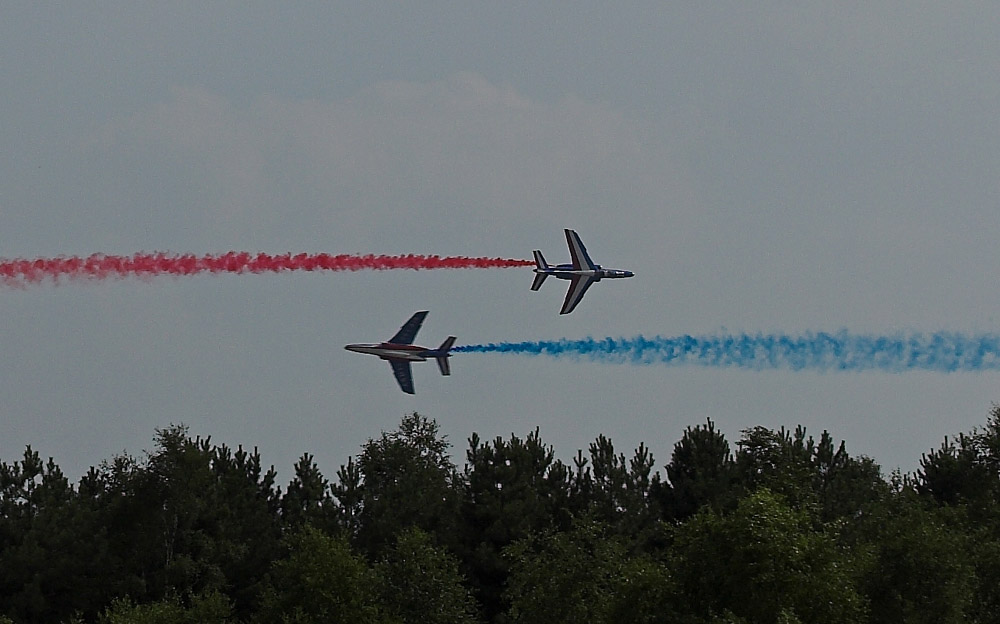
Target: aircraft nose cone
(629,274)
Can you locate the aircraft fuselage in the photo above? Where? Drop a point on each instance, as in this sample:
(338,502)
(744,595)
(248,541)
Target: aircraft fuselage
(568,272)
(390,351)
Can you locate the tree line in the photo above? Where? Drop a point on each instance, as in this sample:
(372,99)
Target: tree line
(780,527)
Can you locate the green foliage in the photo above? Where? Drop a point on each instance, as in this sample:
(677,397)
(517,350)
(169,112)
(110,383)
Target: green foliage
(513,488)
(308,499)
(701,472)
(789,529)
(42,555)
(761,561)
(211,608)
(915,562)
(350,495)
(808,474)
(564,577)
(963,476)
(643,592)
(421,583)
(967,472)
(586,575)
(408,480)
(191,519)
(203,515)
(619,493)
(955,474)
(320,580)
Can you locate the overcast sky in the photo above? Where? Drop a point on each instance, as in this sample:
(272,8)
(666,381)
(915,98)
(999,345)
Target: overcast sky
(788,167)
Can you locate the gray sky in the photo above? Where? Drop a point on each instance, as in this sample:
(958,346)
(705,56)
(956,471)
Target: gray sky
(787,167)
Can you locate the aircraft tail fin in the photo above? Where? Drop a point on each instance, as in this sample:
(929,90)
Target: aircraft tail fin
(542,265)
(442,361)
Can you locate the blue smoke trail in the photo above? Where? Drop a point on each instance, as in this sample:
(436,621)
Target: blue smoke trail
(943,352)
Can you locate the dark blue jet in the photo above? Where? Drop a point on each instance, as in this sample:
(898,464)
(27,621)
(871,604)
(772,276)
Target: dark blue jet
(581,272)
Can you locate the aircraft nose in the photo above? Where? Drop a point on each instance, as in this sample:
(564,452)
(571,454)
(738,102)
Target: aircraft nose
(629,274)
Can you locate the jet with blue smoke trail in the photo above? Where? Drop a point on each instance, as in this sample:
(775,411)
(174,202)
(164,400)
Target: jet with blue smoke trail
(943,352)
(582,272)
(400,351)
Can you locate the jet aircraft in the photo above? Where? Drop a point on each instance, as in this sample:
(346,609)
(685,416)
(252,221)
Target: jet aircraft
(581,272)
(400,351)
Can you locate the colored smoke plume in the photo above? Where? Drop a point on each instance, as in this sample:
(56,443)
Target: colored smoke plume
(22,272)
(841,351)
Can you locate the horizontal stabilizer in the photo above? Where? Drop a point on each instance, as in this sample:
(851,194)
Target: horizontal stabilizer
(442,361)
(539,278)
(541,265)
(444,365)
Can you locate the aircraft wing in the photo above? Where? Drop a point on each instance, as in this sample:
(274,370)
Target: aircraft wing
(409,330)
(580,258)
(403,373)
(577,289)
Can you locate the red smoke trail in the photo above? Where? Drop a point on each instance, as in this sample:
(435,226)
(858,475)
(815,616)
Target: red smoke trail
(22,272)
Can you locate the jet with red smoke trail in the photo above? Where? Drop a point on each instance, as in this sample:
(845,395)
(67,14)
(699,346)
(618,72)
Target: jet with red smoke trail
(400,352)
(581,272)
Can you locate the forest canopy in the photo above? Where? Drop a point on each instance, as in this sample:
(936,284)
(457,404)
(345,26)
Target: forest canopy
(779,527)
